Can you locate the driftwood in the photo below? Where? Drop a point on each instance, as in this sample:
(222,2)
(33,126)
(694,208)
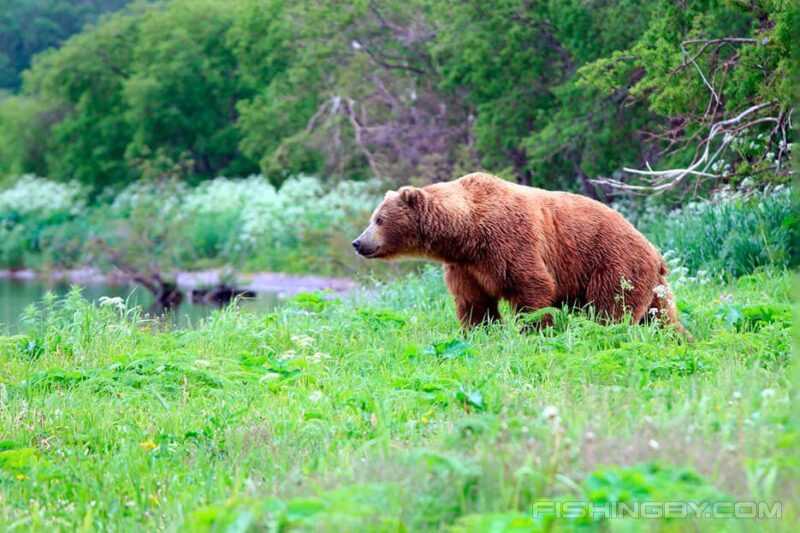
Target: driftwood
(219,295)
(166,292)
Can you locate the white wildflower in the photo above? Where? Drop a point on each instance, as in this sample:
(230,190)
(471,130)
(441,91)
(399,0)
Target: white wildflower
(30,194)
(315,396)
(625,284)
(287,355)
(318,357)
(662,291)
(304,341)
(115,301)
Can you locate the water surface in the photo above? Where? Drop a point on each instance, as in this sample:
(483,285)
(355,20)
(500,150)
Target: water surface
(17,294)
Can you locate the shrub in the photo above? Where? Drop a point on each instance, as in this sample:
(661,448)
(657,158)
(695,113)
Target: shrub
(248,222)
(30,210)
(302,226)
(31,196)
(306,226)
(731,233)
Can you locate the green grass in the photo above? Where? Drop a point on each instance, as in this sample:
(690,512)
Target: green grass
(376,414)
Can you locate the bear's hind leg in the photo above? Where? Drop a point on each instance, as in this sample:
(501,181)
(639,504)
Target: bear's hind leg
(663,306)
(613,294)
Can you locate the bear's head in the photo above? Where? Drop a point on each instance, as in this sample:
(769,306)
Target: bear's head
(394,227)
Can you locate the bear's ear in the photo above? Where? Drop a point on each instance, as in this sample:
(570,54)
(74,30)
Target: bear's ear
(411,196)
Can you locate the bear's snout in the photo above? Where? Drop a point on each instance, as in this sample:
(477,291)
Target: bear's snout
(364,249)
(365,244)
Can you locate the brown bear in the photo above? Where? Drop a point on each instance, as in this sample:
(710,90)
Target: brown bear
(531,247)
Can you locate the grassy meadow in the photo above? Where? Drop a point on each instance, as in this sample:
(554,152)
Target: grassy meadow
(374,413)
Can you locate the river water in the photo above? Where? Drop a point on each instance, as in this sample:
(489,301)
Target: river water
(17,294)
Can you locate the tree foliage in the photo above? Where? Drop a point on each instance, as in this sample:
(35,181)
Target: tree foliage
(28,27)
(553,93)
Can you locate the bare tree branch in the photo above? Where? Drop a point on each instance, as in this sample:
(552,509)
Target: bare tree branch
(702,76)
(348,107)
(669,179)
(710,42)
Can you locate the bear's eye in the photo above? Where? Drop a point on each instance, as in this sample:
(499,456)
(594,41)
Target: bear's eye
(378,221)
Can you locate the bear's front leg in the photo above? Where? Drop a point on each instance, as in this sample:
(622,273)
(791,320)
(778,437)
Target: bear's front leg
(533,294)
(473,305)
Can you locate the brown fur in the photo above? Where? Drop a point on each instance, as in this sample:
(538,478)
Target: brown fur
(531,247)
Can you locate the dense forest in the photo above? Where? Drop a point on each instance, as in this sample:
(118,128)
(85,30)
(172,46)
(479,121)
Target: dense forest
(556,93)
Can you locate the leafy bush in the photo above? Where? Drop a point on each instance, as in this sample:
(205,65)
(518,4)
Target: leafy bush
(301,226)
(648,482)
(731,233)
(306,225)
(29,211)
(292,228)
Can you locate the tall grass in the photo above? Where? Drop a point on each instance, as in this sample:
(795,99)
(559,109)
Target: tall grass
(375,414)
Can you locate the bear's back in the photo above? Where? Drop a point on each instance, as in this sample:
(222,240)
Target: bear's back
(573,226)
(564,207)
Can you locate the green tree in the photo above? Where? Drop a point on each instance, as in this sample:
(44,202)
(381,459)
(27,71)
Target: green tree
(28,27)
(24,123)
(183,86)
(284,80)
(516,61)
(716,74)
(153,83)
(556,93)
(83,83)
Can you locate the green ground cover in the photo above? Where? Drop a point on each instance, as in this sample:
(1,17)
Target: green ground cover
(376,413)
